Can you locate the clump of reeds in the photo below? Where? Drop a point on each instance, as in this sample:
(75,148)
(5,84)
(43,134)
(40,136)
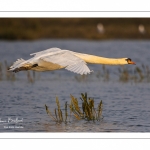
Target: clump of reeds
(58,115)
(124,75)
(139,74)
(8,75)
(87,111)
(80,78)
(1,73)
(31,78)
(103,74)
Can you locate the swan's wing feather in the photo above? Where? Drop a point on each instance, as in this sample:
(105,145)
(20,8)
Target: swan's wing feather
(69,61)
(50,50)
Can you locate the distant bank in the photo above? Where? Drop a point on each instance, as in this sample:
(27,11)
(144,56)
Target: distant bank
(74,28)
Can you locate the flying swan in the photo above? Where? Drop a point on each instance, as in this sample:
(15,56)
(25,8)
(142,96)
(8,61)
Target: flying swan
(55,58)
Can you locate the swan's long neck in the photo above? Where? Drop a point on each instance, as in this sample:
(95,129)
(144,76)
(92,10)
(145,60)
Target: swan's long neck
(101,60)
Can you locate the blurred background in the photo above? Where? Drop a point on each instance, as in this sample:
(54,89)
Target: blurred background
(123,89)
(74,28)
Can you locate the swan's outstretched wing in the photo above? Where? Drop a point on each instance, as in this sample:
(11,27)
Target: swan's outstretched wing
(47,51)
(69,61)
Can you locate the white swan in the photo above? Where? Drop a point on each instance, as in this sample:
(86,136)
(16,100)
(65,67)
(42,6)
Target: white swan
(55,58)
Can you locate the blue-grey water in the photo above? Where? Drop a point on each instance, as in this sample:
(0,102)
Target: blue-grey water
(126,104)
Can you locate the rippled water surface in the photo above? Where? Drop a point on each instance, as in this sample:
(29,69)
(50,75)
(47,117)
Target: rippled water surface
(126,105)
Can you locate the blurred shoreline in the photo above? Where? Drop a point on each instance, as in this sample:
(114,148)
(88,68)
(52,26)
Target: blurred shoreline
(74,28)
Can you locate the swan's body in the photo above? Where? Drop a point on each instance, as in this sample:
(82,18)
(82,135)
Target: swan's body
(55,58)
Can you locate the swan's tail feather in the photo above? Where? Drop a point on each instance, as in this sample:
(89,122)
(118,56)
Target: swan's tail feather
(15,64)
(20,65)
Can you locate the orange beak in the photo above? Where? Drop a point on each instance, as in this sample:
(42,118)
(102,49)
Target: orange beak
(133,63)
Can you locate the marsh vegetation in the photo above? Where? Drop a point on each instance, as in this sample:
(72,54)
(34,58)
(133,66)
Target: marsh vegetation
(86,111)
(123,74)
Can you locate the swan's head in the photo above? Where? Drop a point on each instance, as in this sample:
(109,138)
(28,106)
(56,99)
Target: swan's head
(129,61)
